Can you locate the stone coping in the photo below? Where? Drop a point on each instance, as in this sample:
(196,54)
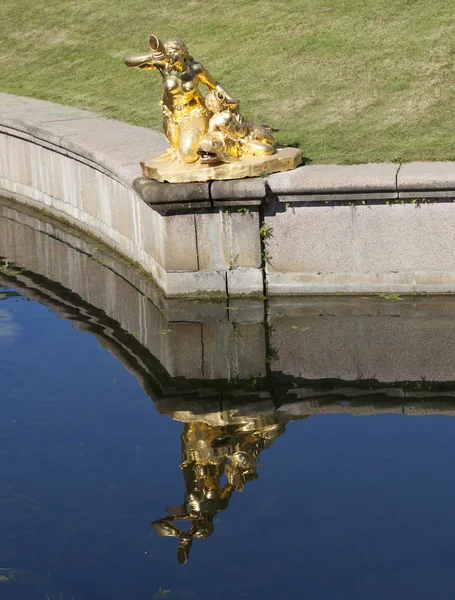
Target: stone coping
(116,148)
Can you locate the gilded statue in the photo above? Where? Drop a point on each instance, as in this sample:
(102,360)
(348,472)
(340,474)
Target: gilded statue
(185,115)
(209,138)
(208,453)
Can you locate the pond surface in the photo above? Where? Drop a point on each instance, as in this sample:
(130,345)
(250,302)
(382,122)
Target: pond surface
(156,448)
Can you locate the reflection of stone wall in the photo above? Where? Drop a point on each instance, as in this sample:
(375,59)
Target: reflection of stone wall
(310,340)
(185,345)
(365,338)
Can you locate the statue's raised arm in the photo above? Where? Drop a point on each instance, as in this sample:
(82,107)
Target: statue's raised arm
(149,60)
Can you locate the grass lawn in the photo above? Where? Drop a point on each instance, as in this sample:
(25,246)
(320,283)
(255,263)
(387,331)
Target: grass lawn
(348,80)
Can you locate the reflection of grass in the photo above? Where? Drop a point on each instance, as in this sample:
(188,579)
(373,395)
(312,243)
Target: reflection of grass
(352,81)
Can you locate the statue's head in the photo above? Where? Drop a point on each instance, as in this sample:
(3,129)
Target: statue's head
(177,52)
(216,101)
(217,146)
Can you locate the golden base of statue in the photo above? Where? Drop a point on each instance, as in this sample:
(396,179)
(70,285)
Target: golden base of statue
(284,159)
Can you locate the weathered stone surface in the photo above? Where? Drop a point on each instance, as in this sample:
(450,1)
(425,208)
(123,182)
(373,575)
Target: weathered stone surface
(246,166)
(25,137)
(129,173)
(228,240)
(15,160)
(84,196)
(311,240)
(325,179)
(360,283)
(113,143)
(213,239)
(245,281)
(181,207)
(25,112)
(156,192)
(55,131)
(81,167)
(237,203)
(239,189)
(405,238)
(197,283)
(243,239)
(362,249)
(348,197)
(179,243)
(428,194)
(426,176)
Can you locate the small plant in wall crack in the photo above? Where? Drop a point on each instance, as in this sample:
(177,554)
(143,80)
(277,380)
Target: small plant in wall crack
(265,231)
(272,355)
(233,261)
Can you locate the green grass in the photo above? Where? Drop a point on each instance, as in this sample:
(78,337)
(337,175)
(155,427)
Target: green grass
(348,80)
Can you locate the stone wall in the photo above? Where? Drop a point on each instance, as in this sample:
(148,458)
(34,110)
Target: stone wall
(83,280)
(324,229)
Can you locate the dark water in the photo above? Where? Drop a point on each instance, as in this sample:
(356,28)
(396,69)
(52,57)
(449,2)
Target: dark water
(293,484)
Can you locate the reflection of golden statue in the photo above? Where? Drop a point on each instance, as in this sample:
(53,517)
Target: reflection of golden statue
(197,153)
(185,116)
(207,454)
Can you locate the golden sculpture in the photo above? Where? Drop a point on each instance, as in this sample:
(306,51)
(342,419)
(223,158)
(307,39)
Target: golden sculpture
(209,138)
(208,452)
